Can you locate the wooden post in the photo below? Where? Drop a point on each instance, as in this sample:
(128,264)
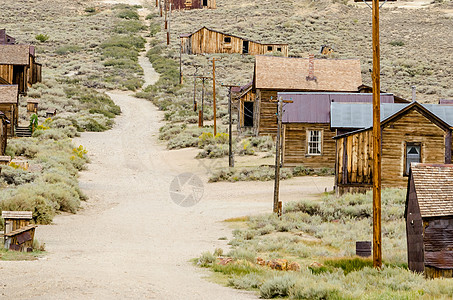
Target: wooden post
(195,90)
(180,61)
(213,96)
(168,29)
(277,156)
(230,130)
(165,10)
(377,237)
(160,7)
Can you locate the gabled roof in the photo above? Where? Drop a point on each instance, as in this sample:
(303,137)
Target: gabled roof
(315,107)
(187,35)
(289,73)
(392,112)
(434,188)
(8,94)
(14,55)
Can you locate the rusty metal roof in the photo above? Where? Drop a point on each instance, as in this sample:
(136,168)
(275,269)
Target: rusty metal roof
(315,107)
(434,188)
(289,73)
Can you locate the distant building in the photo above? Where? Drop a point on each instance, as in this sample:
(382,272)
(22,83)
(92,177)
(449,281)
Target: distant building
(192,4)
(207,40)
(9,106)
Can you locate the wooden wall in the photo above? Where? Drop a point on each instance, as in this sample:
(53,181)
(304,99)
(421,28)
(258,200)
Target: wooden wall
(207,41)
(191,4)
(11,112)
(295,146)
(3,136)
(248,97)
(354,163)
(15,75)
(266,113)
(414,232)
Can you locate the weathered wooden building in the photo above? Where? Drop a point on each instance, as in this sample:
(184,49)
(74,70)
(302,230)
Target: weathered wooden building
(281,74)
(307,132)
(207,40)
(14,65)
(191,4)
(409,133)
(9,105)
(429,219)
(4,122)
(6,39)
(34,68)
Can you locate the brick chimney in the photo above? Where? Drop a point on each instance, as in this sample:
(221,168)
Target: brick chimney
(311,67)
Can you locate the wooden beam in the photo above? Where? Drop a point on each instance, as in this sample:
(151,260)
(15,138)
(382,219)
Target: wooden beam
(377,236)
(448,147)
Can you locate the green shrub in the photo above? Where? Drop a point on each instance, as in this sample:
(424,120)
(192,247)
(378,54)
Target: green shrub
(128,14)
(129,26)
(63,50)
(243,254)
(246,282)
(42,37)
(206,259)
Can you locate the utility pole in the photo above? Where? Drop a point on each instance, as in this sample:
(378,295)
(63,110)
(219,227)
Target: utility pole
(157,3)
(201,111)
(213,96)
(377,236)
(195,89)
(160,7)
(230,131)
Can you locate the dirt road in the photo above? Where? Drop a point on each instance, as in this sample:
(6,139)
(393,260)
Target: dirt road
(131,240)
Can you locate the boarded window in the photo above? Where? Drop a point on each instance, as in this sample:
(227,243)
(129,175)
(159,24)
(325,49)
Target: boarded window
(314,142)
(413,151)
(227,39)
(269,48)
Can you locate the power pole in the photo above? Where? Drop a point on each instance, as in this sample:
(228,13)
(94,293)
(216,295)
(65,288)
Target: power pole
(157,3)
(230,130)
(160,7)
(201,111)
(195,89)
(213,96)
(277,157)
(377,236)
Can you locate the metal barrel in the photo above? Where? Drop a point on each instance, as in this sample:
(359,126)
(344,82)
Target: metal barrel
(363,248)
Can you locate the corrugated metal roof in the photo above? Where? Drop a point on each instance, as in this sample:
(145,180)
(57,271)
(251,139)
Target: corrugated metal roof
(315,107)
(360,115)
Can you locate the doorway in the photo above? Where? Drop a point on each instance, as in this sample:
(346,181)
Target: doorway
(248,114)
(205,2)
(245,47)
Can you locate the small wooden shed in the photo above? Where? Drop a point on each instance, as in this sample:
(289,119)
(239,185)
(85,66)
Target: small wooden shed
(51,112)
(207,40)
(32,105)
(429,219)
(192,4)
(9,105)
(409,133)
(19,232)
(282,74)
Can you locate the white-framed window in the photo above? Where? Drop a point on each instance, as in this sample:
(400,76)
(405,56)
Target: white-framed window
(413,155)
(314,142)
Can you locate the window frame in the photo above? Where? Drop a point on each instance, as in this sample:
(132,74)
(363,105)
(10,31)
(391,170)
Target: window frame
(410,144)
(308,141)
(270,48)
(225,39)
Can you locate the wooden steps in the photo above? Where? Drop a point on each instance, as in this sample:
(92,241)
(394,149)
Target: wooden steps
(23,131)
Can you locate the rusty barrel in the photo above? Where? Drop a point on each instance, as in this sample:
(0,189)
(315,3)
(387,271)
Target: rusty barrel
(363,248)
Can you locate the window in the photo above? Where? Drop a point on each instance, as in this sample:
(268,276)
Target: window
(269,48)
(279,49)
(227,39)
(413,151)
(314,142)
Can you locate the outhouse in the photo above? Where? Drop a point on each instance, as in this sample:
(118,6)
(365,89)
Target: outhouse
(19,233)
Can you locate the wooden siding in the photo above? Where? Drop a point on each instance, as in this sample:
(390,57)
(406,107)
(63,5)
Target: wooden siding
(3,136)
(438,241)
(355,161)
(248,97)
(209,41)
(191,4)
(15,75)
(267,113)
(10,111)
(295,146)
(414,232)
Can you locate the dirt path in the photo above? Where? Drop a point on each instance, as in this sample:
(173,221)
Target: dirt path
(130,240)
